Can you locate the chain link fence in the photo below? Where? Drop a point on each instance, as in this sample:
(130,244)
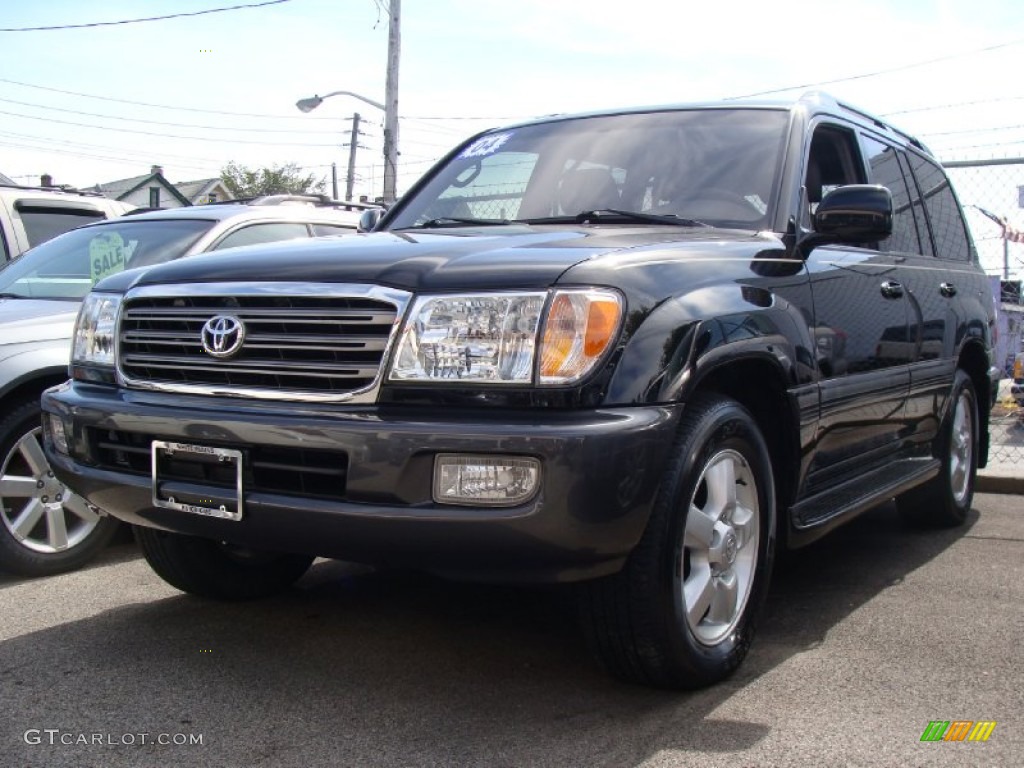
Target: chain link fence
(992,194)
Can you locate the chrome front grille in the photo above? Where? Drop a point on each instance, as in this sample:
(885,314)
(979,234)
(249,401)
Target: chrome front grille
(299,341)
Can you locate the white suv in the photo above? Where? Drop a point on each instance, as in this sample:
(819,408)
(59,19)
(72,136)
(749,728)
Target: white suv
(32,215)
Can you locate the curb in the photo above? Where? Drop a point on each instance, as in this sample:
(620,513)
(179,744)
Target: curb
(999,484)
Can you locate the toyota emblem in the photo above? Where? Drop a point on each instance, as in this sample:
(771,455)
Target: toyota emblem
(223,335)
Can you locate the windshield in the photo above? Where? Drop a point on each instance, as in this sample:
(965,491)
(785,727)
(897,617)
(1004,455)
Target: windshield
(68,266)
(714,166)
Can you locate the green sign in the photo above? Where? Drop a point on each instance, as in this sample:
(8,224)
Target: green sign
(107,255)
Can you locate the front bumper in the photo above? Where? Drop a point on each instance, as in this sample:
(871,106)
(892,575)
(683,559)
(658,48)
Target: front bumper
(600,473)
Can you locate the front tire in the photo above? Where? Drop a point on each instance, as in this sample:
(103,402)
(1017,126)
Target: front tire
(682,612)
(945,500)
(44,528)
(208,568)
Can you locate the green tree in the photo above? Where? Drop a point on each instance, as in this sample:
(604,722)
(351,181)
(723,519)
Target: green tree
(278,180)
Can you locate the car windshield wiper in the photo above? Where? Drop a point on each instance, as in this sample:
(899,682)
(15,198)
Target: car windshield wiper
(12,296)
(608,214)
(451,221)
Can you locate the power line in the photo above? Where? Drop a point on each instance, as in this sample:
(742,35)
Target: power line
(136,21)
(865,75)
(999,100)
(79,153)
(483,117)
(161,106)
(160,122)
(973,130)
(493,118)
(1017,143)
(104,147)
(167,135)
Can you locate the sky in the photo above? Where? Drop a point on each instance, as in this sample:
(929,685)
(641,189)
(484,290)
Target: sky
(190,94)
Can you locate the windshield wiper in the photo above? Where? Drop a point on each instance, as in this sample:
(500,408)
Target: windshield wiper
(12,296)
(451,221)
(606,214)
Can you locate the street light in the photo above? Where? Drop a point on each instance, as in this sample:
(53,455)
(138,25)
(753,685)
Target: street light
(390,105)
(390,134)
(308,105)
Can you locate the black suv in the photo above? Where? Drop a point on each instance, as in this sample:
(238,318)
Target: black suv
(635,349)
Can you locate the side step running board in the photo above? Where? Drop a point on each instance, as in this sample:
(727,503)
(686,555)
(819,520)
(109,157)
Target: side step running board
(816,516)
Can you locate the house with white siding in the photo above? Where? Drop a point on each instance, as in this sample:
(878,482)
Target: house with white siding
(153,190)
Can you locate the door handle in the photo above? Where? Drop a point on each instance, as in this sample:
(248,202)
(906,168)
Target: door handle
(947,289)
(892,290)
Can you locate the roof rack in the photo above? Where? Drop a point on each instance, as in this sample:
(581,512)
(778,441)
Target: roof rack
(823,97)
(310,199)
(136,211)
(53,188)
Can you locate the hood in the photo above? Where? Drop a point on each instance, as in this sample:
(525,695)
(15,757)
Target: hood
(515,257)
(26,320)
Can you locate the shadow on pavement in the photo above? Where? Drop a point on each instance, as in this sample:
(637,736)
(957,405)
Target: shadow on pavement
(356,667)
(121,549)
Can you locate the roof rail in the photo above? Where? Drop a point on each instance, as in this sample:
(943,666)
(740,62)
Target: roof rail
(135,211)
(54,188)
(882,125)
(309,199)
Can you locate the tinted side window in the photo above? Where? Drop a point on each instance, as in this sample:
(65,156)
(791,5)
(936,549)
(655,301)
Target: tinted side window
(833,161)
(41,224)
(263,233)
(923,233)
(947,222)
(885,170)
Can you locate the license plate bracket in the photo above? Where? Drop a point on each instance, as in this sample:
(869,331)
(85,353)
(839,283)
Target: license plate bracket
(171,491)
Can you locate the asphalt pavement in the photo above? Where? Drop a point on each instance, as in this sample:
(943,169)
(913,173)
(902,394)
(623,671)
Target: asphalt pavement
(868,636)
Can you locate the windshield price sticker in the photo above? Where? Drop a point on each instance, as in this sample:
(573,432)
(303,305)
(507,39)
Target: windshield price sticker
(486,145)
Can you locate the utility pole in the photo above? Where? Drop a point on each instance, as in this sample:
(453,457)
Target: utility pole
(353,145)
(391,101)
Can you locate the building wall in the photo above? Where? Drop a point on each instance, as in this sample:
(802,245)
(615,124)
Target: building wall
(141,197)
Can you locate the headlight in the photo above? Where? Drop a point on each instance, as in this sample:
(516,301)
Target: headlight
(507,338)
(96,330)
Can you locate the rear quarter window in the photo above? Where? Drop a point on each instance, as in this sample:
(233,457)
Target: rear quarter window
(322,230)
(255,234)
(949,229)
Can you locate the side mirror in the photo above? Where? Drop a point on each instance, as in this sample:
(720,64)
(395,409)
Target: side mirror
(368,219)
(857,213)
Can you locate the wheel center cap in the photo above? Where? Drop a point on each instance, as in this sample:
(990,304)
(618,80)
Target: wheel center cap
(729,547)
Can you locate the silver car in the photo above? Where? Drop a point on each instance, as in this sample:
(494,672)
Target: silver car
(44,529)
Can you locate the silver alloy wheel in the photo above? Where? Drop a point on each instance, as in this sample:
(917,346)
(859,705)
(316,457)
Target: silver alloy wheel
(41,514)
(961,447)
(720,547)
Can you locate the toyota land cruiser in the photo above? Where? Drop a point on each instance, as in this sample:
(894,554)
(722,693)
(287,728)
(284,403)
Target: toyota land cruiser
(636,349)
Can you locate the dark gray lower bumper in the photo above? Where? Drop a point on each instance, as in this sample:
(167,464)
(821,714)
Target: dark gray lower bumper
(600,472)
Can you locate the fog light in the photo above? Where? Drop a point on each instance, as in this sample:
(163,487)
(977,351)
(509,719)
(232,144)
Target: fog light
(485,480)
(57,434)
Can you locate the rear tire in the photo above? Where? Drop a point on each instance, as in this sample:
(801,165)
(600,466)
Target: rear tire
(945,500)
(682,612)
(208,568)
